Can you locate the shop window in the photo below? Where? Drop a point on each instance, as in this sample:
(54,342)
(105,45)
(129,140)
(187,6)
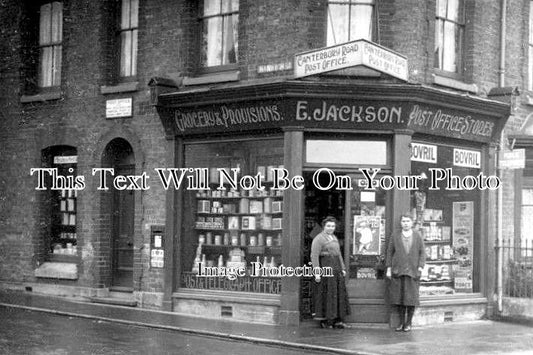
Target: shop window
(61,204)
(50,44)
(530,48)
(236,226)
(449,36)
(349,20)
(219,38)
(128,31)
(349,152)
(447,218)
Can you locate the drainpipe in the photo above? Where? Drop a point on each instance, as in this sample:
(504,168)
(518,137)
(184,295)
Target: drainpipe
(499,271)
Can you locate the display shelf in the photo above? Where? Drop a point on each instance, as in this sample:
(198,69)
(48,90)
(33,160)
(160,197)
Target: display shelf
(434,282)
(443,261)
(437,241)
(238,213)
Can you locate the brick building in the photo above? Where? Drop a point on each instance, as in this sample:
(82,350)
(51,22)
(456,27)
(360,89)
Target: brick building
(139,85)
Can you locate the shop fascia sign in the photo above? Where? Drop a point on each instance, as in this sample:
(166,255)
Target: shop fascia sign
(512,159)
(351,54)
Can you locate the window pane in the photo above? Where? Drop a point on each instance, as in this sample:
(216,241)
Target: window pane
(212,41)
(125,53)
(46,67)
(133,70)
(439,24)
(450,45)
(530,83)
(211,7)
(45,24)
(125,15)
(56,70)
(527,197)
(230,6)
(361,19)
(346,152)
(230,39)
(338,24)
(441,8)
(57,22)
(530,67)
(134,17)
(453,10)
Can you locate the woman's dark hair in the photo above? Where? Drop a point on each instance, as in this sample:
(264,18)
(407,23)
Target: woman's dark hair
(407,215)
(328,219)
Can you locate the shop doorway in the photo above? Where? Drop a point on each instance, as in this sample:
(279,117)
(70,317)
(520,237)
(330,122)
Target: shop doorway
(361,231)
(119,156)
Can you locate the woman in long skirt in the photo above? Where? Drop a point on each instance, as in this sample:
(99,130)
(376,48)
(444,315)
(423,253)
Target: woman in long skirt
(330,298)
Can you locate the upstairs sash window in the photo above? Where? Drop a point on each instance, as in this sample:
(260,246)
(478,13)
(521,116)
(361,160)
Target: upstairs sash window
(220,22)
(449,35)
(50,44)
(129,23)
(349,20)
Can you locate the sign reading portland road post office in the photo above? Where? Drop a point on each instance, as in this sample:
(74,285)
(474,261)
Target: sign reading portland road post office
(350,54)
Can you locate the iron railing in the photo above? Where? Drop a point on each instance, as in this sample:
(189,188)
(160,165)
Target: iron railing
(517,271)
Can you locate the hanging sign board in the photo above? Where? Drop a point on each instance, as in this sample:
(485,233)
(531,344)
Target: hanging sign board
(513,159)
(351,54)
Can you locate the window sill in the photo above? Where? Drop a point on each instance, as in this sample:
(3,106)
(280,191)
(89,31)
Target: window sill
(49,96)
(119,88)
(212,78)
(57,270)
(454,84)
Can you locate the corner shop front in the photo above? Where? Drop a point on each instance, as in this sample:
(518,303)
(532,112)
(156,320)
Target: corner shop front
(337,137)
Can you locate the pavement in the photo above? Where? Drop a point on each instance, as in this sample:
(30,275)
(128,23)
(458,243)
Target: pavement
(473,337)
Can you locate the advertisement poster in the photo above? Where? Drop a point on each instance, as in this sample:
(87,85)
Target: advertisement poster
(367,232)
(463,237)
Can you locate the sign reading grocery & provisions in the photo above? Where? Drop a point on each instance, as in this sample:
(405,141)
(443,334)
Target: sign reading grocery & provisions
(351,54)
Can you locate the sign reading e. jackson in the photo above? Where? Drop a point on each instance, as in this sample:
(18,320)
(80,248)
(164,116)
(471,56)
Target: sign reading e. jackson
(352,114)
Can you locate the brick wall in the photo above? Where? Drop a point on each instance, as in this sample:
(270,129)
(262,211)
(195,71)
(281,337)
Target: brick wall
(271,32)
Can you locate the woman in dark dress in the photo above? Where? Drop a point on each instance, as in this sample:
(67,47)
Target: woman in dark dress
(405,261)
(330,297)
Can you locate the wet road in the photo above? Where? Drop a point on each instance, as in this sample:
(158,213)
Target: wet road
(29,332)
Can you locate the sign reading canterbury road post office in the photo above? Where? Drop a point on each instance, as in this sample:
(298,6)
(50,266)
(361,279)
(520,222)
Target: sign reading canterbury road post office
(351,54)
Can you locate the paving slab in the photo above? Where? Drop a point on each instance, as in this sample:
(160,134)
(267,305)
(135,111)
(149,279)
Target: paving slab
(475,337)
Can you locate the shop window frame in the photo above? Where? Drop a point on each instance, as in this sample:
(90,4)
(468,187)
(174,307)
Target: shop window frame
(477,282)
(192,197)
(52,207)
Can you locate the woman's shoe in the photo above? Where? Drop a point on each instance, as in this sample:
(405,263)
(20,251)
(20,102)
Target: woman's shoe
(407,328)
(340,325)
(399,328)
(324,324)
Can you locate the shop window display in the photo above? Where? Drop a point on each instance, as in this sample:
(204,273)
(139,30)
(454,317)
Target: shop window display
(447,220)
(233,227)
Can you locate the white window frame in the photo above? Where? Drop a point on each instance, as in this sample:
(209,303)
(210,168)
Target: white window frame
(355,27)
(50,44)
(128,34)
